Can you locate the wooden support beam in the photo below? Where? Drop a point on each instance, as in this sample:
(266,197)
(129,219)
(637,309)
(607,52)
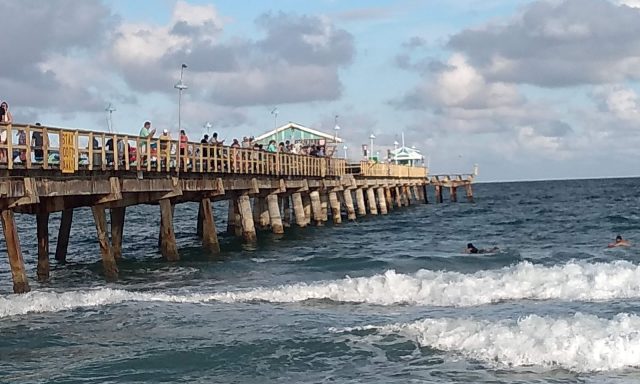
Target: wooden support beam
(348,202)
(398,193)
(438,191)
(209,231)
(298,210)
(286,211)
(362,210)
(274,214)
(388,198)
(16,262)
(168,246)
(371,198)
(108,261)
(382,201)
(316,207)
(306,204)
(264,217)
(324,205)
(335,208)
(248,226)
(200,219)
(469,189)
(117,230)
(453,194)
(63,235)
(42,223)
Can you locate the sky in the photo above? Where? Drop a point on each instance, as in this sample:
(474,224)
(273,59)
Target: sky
(544,89)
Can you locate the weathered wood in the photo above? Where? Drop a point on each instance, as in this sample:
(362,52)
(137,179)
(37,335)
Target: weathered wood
(200,219)
(248,226)
(286,211)
(335,208)
(399,200)
(306,204)
(388,198)
(117,231)
(108,261)
(406,195)
(209,231)
(438,191)
(324,205)
(316,207)
(362,210)
(42,223)
(382,201)
(274,214)
(168,246)
(453,194)
(298,209)
(371,198)
(63,235)
(348,202)
(469,190)
(264,216)
(16,262)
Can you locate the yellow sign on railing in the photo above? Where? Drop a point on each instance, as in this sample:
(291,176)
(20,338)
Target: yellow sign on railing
(67,152)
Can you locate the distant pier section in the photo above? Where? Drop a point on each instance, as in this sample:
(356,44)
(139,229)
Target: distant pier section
(45,170)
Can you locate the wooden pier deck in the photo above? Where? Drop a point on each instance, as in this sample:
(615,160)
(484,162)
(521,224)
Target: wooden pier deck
(46,169)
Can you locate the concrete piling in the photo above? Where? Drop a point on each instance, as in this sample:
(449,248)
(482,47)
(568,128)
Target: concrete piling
(168,246)
(117,231)
(362,210)
(16,262)
(274,214)
(382,201)
(335,208)
(63,235)
(209,231)
(248,226)
(348,202)
(371,198)
(42,223)
(108,261)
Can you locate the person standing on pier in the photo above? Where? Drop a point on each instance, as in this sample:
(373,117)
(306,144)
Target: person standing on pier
(146,133)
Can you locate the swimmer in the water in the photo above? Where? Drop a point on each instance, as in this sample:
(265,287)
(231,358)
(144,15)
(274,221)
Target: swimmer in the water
(472,249)
(620,242)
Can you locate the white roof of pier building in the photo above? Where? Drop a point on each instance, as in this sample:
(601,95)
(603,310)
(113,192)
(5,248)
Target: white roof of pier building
(406,155)
(293,132)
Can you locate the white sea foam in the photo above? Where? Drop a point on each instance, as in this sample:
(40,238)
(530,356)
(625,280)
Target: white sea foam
(580,343)
(573,282)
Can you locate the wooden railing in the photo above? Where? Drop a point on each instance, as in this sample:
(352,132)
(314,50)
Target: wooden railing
(66,150)
(391,170)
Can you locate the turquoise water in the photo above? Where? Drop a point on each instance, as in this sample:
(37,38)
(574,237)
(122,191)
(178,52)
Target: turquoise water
(387,299)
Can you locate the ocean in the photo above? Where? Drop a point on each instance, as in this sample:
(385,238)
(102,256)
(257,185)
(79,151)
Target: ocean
(388,299)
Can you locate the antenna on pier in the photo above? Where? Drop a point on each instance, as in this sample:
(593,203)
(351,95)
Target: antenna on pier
(110,109)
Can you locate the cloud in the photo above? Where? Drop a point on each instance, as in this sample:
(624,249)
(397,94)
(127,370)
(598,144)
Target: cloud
(41,42)
(557,44)
(297,60)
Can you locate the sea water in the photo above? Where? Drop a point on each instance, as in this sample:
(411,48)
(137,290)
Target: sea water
(389,299)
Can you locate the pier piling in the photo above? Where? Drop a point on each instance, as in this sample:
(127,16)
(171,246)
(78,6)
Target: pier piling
(316,207)
(371,198)
(42,223)
(453,194)
(248,226)
(108,262)
(274,214)
(382,201)
(362,210)
(469,192)
(348,203)
(438,191)
(324,204)
(209,231)
(117,230)
(168,246)
(298,210)
(286,211)
(398,196)
(335,208)
(63,235)
(16,262)
(306,204)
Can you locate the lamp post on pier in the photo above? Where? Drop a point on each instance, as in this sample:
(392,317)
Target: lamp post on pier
(180,86)
(336,128)
(371,137)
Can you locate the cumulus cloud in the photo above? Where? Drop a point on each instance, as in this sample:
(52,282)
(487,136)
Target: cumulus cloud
(41,42)
(297,60)
(556,44)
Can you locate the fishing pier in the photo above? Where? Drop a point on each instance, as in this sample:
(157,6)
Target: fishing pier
(45,170)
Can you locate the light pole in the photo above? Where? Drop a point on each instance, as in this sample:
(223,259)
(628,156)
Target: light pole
(395,151)
(110,109)
(345,151)
(336,128)
(274,112)
(180,86)
(372,137)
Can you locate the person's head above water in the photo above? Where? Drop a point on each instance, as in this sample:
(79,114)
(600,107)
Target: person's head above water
(470,245)
(618,239)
